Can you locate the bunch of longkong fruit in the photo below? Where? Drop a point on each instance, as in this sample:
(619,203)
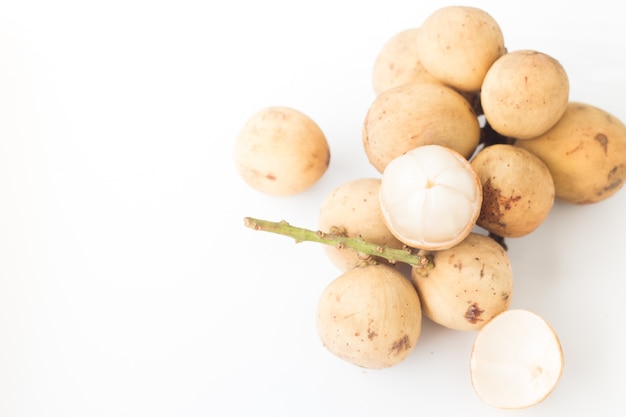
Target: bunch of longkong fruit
(474,143)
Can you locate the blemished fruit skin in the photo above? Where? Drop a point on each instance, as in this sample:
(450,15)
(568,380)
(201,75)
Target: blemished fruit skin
(474,144)
(281,151)
(585,153)
(411,115)
(370,316)
(518,190)
(352,209)
(466,285)
(524,93)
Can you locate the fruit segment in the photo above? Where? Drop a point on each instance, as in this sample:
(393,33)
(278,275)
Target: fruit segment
(430,197)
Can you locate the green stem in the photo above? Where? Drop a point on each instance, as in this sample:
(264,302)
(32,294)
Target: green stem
(406,255)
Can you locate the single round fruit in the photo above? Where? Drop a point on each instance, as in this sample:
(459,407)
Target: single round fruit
(430,197)
(518,190)
(458,44)
(467,285)
(398,62)
(516,360)
(524,94)
(353,209)
(281,151)
(585,153)
(370,317)
(417,114)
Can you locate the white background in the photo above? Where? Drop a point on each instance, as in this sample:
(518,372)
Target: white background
(128,283)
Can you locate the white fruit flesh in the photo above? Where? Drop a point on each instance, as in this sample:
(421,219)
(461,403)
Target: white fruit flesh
(430,197)
(516,360)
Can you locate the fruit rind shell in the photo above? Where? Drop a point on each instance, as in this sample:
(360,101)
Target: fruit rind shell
(533,361)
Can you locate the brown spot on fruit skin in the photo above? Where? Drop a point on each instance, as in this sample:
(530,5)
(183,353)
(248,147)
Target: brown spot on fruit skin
(508,201)
(401,345)
(615,177)
(473,313)
(613,185)
(493,203)
(371,333)
(602,140)
(577,148)
(490,210)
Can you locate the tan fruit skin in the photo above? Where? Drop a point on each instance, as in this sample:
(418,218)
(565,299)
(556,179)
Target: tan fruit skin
(524,94)
(518,190)
(398,62)
(411,115)
(458,44)
(469,284)
(370,317)
(585,153)
(281,151)
(354,208)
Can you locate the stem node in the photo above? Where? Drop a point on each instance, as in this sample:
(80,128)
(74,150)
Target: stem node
(337,237)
